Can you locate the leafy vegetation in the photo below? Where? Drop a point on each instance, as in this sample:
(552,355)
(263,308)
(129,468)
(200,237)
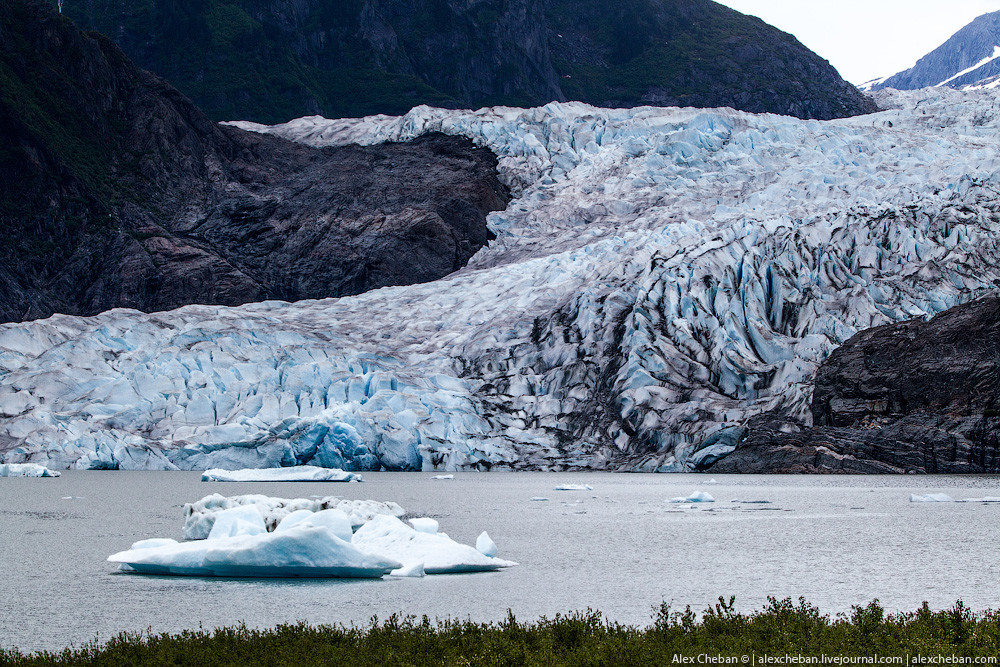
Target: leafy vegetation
(781,628)
(273,60)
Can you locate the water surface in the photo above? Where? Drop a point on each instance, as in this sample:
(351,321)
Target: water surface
(620,548)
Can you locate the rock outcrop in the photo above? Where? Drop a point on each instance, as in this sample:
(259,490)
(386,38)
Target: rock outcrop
(920,396)
(273,60)
(116,191)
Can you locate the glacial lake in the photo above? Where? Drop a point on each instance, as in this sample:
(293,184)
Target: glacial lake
(619,548)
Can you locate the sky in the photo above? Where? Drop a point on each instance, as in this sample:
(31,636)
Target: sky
(868,39)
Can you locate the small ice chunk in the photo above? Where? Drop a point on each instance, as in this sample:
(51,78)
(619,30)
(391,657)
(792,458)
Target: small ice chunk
(425,525)
(412,570)
(931,498)
(574,487)
(236,521)
(539,499)
(712,481)
(696,497)
(443,477)
(485,545)
(984,499)
(291,474)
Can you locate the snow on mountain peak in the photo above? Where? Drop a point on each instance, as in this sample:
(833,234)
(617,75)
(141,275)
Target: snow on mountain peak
(661,275)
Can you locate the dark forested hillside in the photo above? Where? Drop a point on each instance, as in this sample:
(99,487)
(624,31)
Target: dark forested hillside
(272,60)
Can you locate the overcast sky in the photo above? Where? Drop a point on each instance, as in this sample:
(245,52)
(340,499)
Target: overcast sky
(866,39)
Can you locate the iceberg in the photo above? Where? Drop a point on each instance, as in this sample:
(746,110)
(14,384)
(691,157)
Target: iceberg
(439,554)
(931,498)
(26,470)
(291,474)
(200,516)
(300,551)
(669,272)
(696,497)
(485,545)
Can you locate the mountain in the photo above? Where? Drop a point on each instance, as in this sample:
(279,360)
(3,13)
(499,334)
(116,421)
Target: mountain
(273,60)
(937,412)
(660,279)
(969,59)
(116,191)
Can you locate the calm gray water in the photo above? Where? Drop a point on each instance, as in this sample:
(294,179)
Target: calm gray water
(620,548)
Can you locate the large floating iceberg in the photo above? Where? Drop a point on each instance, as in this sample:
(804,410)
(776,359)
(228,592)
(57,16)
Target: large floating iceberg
(292,474)
(660,276)
(310,543)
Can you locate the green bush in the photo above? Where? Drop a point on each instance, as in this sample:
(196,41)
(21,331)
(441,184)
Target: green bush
(781,628)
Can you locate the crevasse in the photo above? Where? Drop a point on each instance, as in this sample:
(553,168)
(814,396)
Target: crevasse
(661,275)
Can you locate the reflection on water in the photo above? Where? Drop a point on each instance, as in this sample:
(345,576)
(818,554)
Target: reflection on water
(619,548)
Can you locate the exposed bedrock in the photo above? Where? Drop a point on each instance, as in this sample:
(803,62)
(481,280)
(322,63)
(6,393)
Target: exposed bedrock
(919,396)
(116,191)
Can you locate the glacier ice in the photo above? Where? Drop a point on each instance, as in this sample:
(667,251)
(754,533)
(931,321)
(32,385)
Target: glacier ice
(236,521)
(306,540)
(300,551)
(424,525)
(438,553)
(695,497)
(931,498)
(485,545)
(660,276)
(200,516)
(26,470)
(292,474)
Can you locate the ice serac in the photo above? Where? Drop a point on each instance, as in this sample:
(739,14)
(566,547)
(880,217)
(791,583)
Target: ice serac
(661,277)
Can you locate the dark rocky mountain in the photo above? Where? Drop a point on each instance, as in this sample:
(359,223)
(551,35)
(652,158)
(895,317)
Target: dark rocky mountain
(115,190)
(920,396)
(273,60)
(971,57)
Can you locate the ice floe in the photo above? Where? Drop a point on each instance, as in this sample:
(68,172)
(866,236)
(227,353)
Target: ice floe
(696,497)
(931,498)
(574,487)
(309,541)
(300,551)
(26,470)
(290,474)
(945,498)
(668,272)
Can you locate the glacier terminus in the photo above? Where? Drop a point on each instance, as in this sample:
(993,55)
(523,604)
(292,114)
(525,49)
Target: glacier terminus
(660,276)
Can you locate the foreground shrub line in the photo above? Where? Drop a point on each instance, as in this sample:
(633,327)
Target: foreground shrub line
(781,633)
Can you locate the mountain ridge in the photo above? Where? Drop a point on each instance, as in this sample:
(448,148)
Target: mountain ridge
(273,60)
(968,59)
(116,191)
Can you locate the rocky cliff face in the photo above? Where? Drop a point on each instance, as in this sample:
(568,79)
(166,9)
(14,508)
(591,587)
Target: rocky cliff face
(970,58)
(920,396)
(115,190)
(272,60)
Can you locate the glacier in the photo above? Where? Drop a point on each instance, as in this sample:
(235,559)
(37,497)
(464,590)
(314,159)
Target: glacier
(660,276)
